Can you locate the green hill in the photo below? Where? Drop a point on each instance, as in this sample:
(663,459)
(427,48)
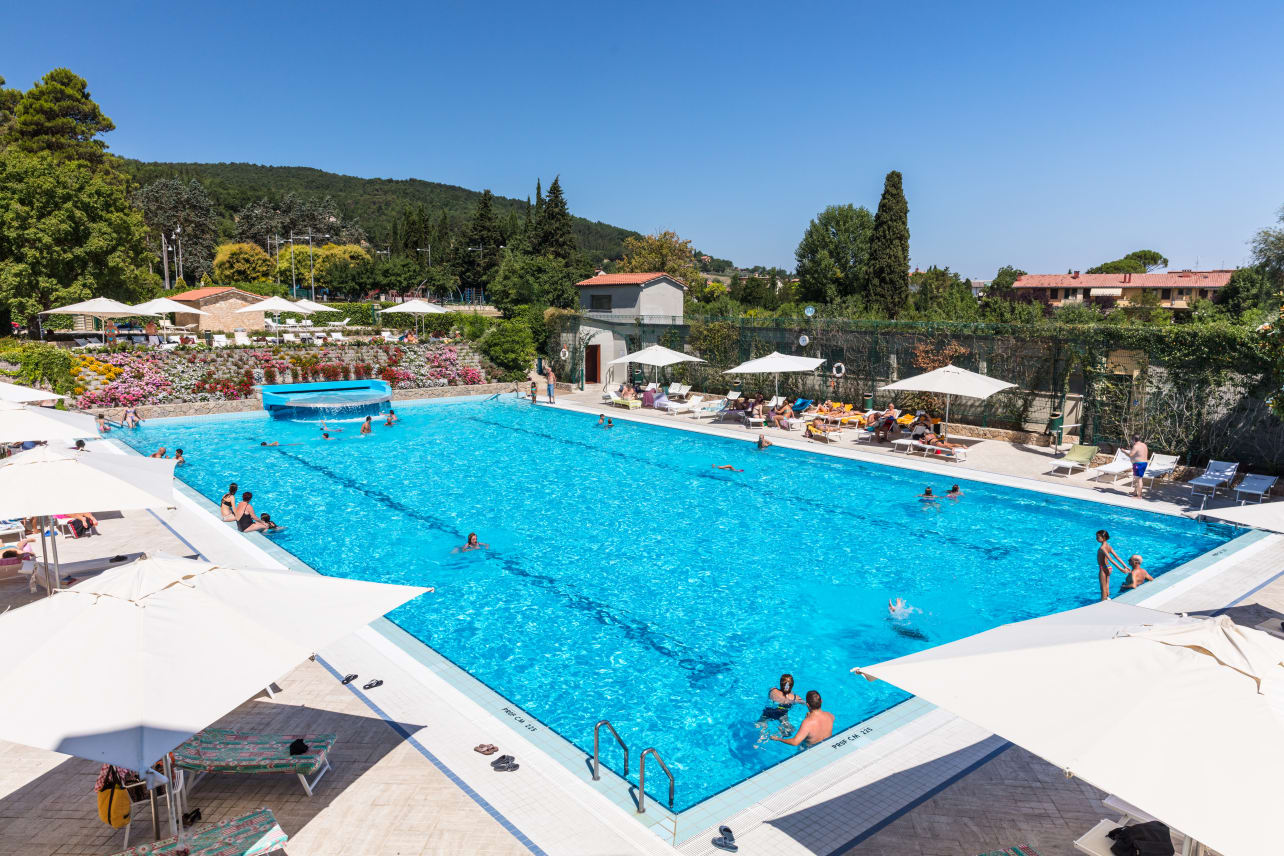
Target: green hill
(373,202)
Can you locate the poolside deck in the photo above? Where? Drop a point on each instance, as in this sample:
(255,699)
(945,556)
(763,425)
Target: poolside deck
(405,779)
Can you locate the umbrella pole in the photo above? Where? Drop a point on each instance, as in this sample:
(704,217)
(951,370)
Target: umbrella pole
(945,432)
(171,796)
(57,576)
(43,523)
(151,794)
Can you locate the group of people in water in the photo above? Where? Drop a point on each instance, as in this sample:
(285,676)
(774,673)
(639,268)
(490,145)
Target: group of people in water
(817,723)
(1108,560)
(162,452)
(242,513)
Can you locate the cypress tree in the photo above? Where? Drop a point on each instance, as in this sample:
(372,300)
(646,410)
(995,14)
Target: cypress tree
(479,257)
(554,235)
(889,249)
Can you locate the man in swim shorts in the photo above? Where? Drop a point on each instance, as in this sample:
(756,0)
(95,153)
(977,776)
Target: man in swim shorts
(816,726)
(1139,454)
(552,386)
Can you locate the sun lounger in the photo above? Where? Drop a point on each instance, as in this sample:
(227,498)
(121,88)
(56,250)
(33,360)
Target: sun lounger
(1159,466)
(1120,465)
(814,432)
(290,322)
(290,337)
(627,403)
(1078,458)
(727,409)
(910,446)
(252,834)
(220,340)
(1019,850)
(715,409)
(216,750)
(343,323)
(388,335)
(241,337)
(1216,474)
(1096,841)
(338,336)
(1254,485)
(685,406)
(678,390)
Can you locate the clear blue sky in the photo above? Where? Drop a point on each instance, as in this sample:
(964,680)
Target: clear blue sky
(1045,136)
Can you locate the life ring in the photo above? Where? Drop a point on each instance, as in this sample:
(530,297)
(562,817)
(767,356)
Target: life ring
(839,369)
(565,353)
(803,340)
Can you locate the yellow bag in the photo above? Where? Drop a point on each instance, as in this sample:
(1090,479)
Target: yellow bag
(113,802)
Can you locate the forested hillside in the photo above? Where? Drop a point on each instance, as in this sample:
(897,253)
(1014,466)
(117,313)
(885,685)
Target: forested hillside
(374,203)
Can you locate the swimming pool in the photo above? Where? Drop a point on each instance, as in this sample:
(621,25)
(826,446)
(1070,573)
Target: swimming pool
(628,579)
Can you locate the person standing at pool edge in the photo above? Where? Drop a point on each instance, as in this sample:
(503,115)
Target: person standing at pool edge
(1139,454)
(1105,555)
(552,386)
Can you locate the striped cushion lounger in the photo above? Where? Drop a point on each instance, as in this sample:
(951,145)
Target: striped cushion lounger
(626,403)
(250,834)
(1019,850)
(216,750)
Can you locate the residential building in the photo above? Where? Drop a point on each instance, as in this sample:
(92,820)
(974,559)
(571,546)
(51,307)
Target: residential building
(1175,289)
(617,306)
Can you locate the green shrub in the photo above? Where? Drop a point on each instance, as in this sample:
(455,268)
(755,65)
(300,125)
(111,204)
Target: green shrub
(39,364)
(510,347)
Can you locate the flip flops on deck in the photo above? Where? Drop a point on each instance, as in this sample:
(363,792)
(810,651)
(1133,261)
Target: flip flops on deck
(726,840)
(486,749)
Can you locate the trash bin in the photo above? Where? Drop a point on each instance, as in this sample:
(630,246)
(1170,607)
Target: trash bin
(869,401)
(1055,423)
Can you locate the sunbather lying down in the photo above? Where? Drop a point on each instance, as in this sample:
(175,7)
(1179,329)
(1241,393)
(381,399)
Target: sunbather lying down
(930,439)
(821,432)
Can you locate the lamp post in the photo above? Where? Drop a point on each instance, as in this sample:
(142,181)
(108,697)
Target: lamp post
(178,235)
(165,258)
(428,251)
(294,285)
(482,250)
(312,280)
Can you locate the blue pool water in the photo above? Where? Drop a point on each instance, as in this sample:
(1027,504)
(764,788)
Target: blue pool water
(628,579)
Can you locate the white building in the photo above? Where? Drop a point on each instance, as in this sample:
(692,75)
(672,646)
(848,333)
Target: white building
(617,306)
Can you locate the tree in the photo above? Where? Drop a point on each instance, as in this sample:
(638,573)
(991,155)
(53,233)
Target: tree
(169,205)
(665,252)
(833,255)
(540,280)
(67,233)
(1000,288)
(242,262)
(294,215)
(9,99)
(1138,261)
(57,116)
(1248,289)
(510,346)
(479,257)
(317,266)
(889,249)
(554,235)
(1268,252)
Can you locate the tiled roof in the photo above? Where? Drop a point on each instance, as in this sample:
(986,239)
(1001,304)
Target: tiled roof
(628,279)
(1172,279)
(198,293)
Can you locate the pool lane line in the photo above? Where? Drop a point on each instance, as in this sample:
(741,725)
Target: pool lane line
(896,815)
(439,764)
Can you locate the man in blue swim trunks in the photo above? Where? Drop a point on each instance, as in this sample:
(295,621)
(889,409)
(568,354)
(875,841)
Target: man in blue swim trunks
(1139,454)
(552,386)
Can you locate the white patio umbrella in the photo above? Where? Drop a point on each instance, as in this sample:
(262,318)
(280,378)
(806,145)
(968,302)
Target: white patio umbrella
(950,381)
(311,305)
(98,307)
(135,661)
(777,364)
(48,480)
(1181,717)
(25,394)
(416,307)
(655,355)
(164,306)
(275,305)
(22,422)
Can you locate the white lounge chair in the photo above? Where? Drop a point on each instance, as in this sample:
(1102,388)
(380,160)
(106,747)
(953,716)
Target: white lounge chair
(1121,465)
(338,336)
(1158,467)
(270,324)
(241,337)
(678,390)
(388,335)
(1216,474)
(726,409)
(1254,485)
(290,322)
(710,408)
(685,406)
(306,322)
(290,337)
(220,340)
(343,323)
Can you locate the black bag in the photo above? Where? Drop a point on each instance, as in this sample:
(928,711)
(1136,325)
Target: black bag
(1141,839)
(77,528)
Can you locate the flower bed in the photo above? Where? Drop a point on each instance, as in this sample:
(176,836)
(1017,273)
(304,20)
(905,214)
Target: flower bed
(131,378)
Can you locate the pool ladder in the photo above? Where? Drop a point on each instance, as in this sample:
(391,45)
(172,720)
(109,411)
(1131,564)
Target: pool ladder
(641,761)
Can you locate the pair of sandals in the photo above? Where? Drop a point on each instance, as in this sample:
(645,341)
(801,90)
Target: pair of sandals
(502,764)
(726,840)
(369,685)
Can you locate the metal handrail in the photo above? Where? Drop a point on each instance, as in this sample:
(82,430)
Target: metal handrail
(615,734)
(642,778)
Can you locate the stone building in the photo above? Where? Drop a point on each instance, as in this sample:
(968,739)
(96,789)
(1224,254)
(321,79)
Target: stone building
(221,302)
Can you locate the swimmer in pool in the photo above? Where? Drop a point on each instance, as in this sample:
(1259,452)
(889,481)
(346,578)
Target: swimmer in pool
(392,417)
(325,428)
(610,424)
(900,610)
(726,467)
(954,493)
(473,544)
(325,435)
(927,495)
(818,725)
(1136,574)
(273,443)
(601,420)
(780,699)
(763,442)
(365,426)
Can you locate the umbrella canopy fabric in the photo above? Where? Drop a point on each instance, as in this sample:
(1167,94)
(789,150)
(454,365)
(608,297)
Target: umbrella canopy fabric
(416,307)
(99,307)
(1260,515)
(163,306)
(135,661)
(25,394)
(655,355)
(47,480)
(21,422)
(951,380)
(776,363)
(311,305)
(1147,705)
(275,304)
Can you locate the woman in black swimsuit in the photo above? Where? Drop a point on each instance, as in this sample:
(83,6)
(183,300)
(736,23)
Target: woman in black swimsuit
(246,519)
(228,503)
